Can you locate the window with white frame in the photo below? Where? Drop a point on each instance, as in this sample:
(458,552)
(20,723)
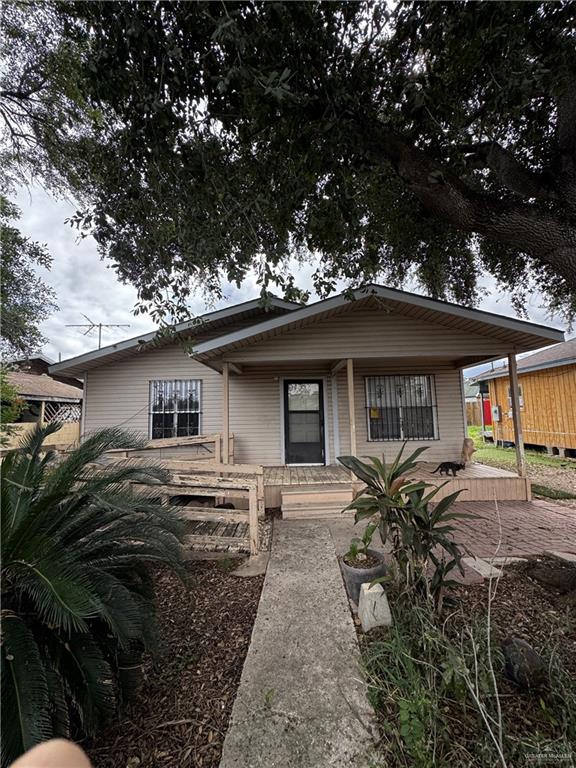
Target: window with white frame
(175,408)
(401,407)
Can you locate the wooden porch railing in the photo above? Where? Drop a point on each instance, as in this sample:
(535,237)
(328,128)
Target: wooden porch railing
(169,446)
(204,478)
(214,487)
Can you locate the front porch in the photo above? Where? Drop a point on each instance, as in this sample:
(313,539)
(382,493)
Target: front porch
(324,491)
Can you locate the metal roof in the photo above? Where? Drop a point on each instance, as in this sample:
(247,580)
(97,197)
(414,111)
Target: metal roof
(551,357)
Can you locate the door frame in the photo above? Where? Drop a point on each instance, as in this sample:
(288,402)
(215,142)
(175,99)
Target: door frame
(306,377)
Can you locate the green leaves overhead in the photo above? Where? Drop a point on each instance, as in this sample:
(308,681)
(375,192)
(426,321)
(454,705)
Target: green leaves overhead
(213,140)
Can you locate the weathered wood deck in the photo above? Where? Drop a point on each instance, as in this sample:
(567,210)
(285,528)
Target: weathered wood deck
(478,482)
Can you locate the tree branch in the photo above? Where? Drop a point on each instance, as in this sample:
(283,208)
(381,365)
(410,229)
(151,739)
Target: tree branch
(526,227)
(566,105)
(509,171)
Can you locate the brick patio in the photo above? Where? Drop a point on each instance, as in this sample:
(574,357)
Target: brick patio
(528,527)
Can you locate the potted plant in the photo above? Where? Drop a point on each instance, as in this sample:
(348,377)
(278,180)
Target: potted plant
(420,535)
(362,564)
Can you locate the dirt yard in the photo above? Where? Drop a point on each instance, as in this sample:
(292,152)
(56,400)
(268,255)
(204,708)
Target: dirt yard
(181,714)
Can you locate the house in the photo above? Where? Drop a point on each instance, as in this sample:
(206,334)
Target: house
(547,387)
(39,365)
(46,399)
(299,386)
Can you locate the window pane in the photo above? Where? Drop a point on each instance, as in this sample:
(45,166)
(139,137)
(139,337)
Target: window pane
(304,427)
(175,408)
(187,424)
(162,425)
(385,424)
(304,397)
(418,423)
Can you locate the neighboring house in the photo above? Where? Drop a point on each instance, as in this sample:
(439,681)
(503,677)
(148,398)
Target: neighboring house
(46,400)
(39,364)
(547,391)
(302,385)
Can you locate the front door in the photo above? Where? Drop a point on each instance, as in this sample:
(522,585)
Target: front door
(304,421)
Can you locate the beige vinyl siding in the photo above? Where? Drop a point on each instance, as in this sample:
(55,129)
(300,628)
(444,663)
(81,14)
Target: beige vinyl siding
(365,333)
(451,430)
(118,394)
(256,412)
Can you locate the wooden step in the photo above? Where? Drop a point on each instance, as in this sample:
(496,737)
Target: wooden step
(308,495)
(315,501)
(214,514)
(308,511)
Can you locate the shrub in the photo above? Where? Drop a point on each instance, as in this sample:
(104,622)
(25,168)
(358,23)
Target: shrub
(419,535)
(436,686)
(77,592)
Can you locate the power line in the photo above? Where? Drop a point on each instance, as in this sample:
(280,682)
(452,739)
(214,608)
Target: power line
(91,326)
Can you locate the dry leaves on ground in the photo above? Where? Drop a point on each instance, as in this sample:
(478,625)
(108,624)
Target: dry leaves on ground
(181,715)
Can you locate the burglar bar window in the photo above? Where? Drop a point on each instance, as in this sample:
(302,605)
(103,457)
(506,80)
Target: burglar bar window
(401,408)
(174,408)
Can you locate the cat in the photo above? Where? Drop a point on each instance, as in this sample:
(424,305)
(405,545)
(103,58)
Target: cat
(449,466)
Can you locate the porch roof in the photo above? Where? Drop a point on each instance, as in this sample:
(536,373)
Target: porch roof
(516,335)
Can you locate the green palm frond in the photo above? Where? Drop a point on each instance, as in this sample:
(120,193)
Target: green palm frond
(25,700)
(61,594)
(77,546)
(89,682)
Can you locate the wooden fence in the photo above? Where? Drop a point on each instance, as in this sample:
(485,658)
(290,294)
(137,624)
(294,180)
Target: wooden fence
(473,414)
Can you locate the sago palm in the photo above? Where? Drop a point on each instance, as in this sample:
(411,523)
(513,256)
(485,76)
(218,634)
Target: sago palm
(77,593)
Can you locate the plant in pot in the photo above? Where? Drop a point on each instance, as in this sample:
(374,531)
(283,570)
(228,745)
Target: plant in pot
(362,564)
(420,535)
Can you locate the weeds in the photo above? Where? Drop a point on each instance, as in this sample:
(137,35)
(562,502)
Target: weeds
(438,689)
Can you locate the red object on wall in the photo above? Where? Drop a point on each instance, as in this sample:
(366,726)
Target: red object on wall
(487,413)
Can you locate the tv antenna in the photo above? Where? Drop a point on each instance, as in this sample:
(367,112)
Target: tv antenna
(91,326)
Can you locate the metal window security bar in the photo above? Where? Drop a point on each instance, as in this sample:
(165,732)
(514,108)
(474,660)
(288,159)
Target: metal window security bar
(175,408)
(401,408)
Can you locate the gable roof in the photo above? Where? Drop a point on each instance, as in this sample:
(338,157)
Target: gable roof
(519,334)
(211,322)
(551,357)
(33,387)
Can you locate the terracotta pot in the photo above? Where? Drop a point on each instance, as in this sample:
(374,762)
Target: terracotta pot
(355,577)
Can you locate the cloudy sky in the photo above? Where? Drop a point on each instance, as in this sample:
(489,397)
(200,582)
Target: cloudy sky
(85,285)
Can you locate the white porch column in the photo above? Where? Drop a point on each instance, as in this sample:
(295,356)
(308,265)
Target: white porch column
(225,413)
(516,417)
(351,405)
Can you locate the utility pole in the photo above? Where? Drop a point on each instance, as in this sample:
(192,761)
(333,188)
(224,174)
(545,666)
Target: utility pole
(91,326)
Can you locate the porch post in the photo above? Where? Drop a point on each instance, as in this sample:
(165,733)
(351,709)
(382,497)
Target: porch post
(351,405)
(225,413)
(516,417)
(42,413)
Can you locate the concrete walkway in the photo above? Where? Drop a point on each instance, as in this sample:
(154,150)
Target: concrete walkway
(301,701)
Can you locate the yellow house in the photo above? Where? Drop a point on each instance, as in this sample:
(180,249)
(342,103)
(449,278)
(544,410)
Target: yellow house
(547,399)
